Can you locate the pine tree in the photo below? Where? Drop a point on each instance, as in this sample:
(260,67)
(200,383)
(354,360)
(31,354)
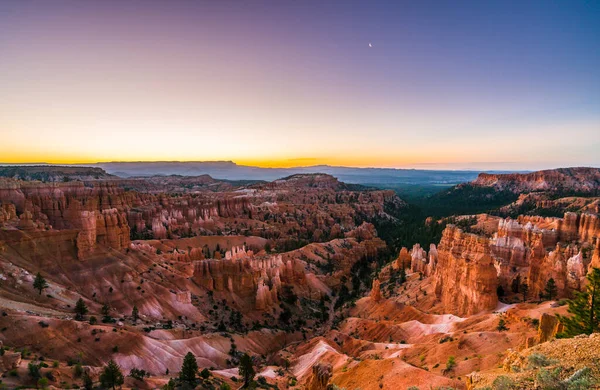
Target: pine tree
(524,290)
(88,383)
(501,325)
(584,309)
(246,369)
(516,283)
(402,275)
(106,318)
(111,376)
(551,291)
(135,313)
(80,309)
(39,283)
(188,369)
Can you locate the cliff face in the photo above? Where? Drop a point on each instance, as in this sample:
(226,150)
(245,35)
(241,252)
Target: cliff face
(102,211)
(90,210)
(465,279)
(572,179)
(468,268)
(537,249)
(248,276)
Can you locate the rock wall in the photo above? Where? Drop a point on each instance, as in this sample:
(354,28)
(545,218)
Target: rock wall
(538,248)
(465,278)
(468,268)
(248,276)
(574,179)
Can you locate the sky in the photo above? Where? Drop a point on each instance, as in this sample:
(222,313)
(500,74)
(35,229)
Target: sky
(422,84)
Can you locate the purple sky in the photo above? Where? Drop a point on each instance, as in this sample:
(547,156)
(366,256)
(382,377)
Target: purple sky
(479,84)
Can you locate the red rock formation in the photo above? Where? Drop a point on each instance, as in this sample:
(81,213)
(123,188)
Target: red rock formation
(8,212)
(403,260)
(465,279)
(319,378)
(246,276)
(548,328)
(578,179)
(535,248)
(376,291)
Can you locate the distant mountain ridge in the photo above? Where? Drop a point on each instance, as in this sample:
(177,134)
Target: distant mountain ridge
(231,171)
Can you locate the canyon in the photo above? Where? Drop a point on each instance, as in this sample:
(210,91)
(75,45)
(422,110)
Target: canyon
(305,274)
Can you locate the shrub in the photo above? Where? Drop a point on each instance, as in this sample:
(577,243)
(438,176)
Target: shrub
(451,363)
(78,370)
(34,371)
(501,325)
(42,383)
(580,380)
(549,379)
(503,383)
(205,374)
(138,374)
(539,360)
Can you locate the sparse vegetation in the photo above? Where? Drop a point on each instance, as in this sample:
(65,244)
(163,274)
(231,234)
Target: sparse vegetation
(501,325)
(584,309)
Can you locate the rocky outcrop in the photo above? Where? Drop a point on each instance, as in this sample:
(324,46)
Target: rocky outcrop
(403,260)
(320,376)
(247,276)
(376,291)
(465,278)
(8,212)
(548,328)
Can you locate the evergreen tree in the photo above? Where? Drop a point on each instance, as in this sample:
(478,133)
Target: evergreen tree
(80,309)
(501,325)
(39,283)
(170,385)
(135,313)
(584,309)
(105,310)
(111,376)
(106,318)
(402,275)
(34,371)
(246,369)
(524,290)
(88,383)
(189,369)
(551,291)
(516,283)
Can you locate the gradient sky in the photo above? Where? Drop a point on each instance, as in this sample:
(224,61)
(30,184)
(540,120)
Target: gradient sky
(479,84)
